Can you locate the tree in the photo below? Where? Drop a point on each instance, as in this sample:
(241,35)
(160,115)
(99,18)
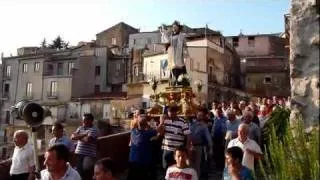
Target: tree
(66,45)
(44,43)
(57,43)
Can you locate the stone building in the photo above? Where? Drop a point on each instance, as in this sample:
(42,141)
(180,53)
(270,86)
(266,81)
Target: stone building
(304,60)
(264,61)
(215,64)
(116,39)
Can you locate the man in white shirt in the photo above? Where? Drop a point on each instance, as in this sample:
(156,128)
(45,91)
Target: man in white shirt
(57,166)
(23,157)
(250,148)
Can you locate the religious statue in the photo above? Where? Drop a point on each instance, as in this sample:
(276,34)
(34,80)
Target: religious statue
(175,45)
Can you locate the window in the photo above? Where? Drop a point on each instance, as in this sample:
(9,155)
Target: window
(106,110)
(136,71)
(251,41)
(7,117)
(36,66)
(235,41)
(8,71)
(85,109)
(198,66)
(70,67)
(24,67)
(149,41)
(49,69)
(97,72)
(210,72)
(134,41)
(114,41)
(60,69)
(118,68)
(267,80)
(53,88)
(6,88)
(96,88)
(29,90)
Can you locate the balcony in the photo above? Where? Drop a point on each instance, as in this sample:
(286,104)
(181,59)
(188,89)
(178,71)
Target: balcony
(6,96)
(6,77)
(28,97)
(52,95)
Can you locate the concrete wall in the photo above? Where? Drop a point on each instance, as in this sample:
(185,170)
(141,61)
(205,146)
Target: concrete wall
(31,76)
(152,67)
(117,70)
(101,60)
(10,97)
(83,79)
(260,48)
(140,40)
(64,88)
(256,85)
(304,59)
(119,31)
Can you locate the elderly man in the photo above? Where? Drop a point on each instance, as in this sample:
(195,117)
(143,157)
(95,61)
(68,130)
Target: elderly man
(57,166)
(254,130)
(250,148)
(23,157)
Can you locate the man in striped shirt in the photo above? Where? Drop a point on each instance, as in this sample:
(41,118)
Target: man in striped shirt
(86,149)
(176,132)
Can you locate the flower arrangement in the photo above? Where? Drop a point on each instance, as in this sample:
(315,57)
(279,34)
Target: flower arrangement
(198,84)
(153,82)
(184,80)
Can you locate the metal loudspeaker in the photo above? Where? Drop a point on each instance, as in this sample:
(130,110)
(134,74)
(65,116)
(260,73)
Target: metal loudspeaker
(32,113)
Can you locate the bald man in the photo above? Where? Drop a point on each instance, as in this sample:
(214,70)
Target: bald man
(23,157)
(250,148)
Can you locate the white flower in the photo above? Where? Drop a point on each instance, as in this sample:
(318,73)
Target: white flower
(198,83)
(180,78)
(183,77)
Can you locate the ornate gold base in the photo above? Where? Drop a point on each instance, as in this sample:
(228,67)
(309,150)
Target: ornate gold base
(179,96)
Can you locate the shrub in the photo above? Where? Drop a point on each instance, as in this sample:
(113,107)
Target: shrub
(291,153)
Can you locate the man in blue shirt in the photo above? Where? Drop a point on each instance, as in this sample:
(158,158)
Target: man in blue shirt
(60,138)
(140,156)
(201,141)
(232,126)
(219,129)
(234,169)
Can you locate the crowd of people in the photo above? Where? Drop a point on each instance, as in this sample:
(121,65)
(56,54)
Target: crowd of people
(227,136)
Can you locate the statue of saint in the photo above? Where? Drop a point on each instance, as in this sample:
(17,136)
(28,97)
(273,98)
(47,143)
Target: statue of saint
(175,45)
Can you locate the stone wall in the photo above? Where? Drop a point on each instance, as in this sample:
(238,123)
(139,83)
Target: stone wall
(304,60)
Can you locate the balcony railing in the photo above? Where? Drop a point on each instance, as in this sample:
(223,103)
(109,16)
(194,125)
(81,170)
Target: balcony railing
(52,95)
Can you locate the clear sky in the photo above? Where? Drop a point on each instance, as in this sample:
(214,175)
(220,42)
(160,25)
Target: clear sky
(27,22)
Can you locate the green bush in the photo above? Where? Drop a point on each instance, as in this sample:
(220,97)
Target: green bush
(291,153)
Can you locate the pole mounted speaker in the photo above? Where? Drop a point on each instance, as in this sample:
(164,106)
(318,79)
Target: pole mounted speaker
(32,113)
